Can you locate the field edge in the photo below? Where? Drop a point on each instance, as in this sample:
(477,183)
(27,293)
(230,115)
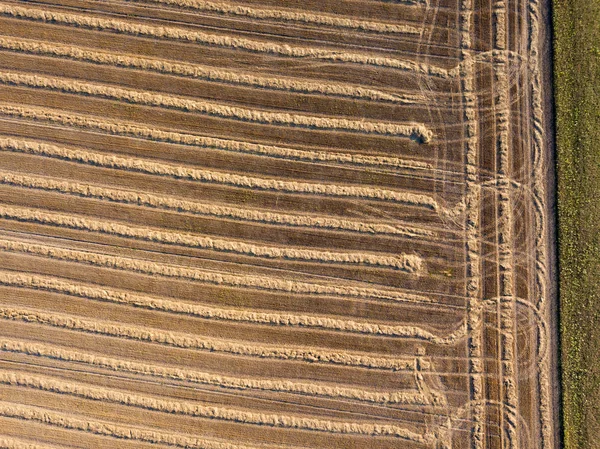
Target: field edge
(576,72)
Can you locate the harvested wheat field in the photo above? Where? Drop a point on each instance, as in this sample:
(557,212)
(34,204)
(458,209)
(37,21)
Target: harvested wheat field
(275,225)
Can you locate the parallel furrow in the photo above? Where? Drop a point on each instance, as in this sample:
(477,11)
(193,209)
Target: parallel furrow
(288,15)
(46,383)
(107,294)
(270,283)
(304,354)
(187,172)
(220,40)
(174,339)
(109,429)
(263,351)
(17,443)
(177,204)
(409,263)
(139,131)
(414,131)
(409,397)
(205,72)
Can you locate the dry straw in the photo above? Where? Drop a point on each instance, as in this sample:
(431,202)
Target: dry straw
(541,237)
(263,351)
(319,389)
(258,282)
(217,210)
(109,395)
(208,73)
(176,339)
(504,230)
(122,128)
(408,262)
(210,312)
(151,167)
(220,40)
(217,109)
(16,443)
(289,15)
(472,223)
(104,428)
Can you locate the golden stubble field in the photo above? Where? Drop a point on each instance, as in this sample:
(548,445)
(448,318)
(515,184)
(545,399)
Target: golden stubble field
(275,225)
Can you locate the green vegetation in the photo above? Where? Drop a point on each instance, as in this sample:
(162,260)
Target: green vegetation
(577,90)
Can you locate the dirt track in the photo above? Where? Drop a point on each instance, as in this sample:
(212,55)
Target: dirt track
(243,225)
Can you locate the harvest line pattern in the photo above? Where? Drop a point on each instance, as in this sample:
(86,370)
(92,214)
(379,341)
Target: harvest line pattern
(473,200)
(204,72)
(219,40)
(104,428)
(209,176)
(47,383)
(118,127)
(542,241)
(207,276)
(414,130)
(173,339)
(233,224)
(289,16)
(207,312)
(311,355)
(409,263)
(505,228)
(162,371)
(208,209)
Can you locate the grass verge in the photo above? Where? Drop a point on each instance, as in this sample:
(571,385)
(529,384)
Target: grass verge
(577,96)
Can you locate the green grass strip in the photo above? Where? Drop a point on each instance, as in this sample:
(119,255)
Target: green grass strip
(577,91)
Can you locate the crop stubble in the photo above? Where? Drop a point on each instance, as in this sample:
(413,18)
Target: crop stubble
(232,225)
